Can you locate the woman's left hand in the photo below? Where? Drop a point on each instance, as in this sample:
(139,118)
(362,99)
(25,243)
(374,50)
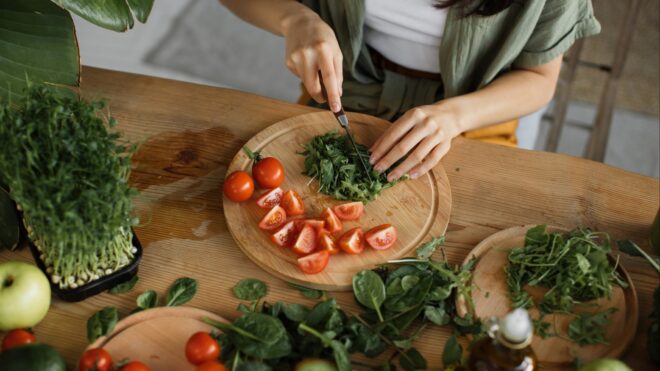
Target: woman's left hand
(423,133)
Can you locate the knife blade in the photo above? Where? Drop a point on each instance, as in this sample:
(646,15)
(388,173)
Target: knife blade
(343,121)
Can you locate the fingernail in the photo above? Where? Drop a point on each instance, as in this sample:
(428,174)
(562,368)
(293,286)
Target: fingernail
(371,160)
(379,168)
(392,177)
(414,175)
(335,106)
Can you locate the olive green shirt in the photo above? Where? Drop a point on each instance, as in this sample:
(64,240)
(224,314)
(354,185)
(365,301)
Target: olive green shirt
(474,51)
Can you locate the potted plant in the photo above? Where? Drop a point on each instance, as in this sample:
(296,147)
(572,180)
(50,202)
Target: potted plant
(68,173)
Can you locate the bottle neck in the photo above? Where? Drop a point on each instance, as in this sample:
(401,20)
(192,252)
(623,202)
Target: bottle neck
(500,338)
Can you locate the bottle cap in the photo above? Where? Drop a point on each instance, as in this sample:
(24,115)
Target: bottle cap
(516,328)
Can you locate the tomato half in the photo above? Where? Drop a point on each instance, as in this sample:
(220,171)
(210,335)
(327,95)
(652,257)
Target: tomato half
(292,203)
(273,219)
(306,241)
(352,242)
(135,366)
(349,211)
(286,235)
(17,337)
(238,186)
(381,237)
(95,359)
(268,172)
(316,223)
(211,366)
(270,199)
(326,241)
(332,222)
(314,263)
(201,347)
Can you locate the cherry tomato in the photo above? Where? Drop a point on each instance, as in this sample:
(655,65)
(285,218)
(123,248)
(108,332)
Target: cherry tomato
(201,347)
(327,242)
(273,219)
(314,263)
(286,235)
(381,237)
(332,223)
(238,186)
(306,241)
(17,337)
(135,366)
(349,211)
(211,366)
(95,359)
(316,223)
(270,199)
(292,203)
(352,242)
(268,172)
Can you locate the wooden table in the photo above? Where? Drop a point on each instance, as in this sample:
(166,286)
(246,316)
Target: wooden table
(188,135)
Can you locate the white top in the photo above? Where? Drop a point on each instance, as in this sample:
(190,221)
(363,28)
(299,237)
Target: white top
(406,32)
(516,326)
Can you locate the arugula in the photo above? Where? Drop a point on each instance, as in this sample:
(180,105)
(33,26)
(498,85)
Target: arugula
(250,289)
(101,323)
(589,328)
(124,287)
(427,249)
(181,291)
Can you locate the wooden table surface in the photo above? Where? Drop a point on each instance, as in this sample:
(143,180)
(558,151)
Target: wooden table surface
(188,135)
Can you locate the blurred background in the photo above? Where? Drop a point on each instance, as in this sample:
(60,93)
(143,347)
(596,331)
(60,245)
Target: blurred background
(202,42)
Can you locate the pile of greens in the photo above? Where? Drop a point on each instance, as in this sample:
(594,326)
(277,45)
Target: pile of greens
(399,301)
(69,175)
(330,159)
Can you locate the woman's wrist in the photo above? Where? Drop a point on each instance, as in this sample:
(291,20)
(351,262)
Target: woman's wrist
(292,20)
(452,116)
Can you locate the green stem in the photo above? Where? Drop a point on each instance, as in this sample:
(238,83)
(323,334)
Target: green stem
(254,156)
(377,308)
(229,326)
(312,331)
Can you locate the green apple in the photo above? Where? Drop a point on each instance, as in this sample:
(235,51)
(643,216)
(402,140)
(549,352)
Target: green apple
(24,295)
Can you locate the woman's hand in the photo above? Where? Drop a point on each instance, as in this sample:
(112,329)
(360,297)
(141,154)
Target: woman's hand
(423,133)
(311,46)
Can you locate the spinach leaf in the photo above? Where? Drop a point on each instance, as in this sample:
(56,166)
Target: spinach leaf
(101,323)
(250,289)
(253,366)
(436,315)
(320,312)
(365,340)
(409,281)
(369,290)
(147,300)
(411,298)
(181,291)
(452,353)
(427,249)
(412,360)
(308,292)
(295,312)
(124,287)
(257,335)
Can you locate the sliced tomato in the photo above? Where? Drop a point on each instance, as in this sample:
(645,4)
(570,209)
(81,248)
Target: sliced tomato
(286,235)
(381,237)
(314,263)
(270,199)
(292,203)
(326,241)
(316,223)
(352,242)
(332,223)
(273,219)
(306,241)
(349,211)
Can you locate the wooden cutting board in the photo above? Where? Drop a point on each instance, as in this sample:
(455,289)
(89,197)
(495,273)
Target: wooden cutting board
(490,295)
(417,208)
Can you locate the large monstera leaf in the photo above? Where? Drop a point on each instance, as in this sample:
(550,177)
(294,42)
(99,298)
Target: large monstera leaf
(116,15)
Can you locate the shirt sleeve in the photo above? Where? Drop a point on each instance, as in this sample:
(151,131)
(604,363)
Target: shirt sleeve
(560,23)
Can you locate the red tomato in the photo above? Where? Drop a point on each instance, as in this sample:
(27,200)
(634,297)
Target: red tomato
(95,359)
(135,366)
(352,242)
(238,186)
(332,223)
(327,242)
(316,223)
(270,199)
(292,203)
(381,237)
(314,263)
(211,366)
(306,241)
(286,235)
(349,211)
(17,337)
(201,347)
(273,219)
(268,172)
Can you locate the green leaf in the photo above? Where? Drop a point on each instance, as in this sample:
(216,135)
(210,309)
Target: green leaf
(308,292)
(259,335)
(436,315)
(250,289)
(412,360)
(583,263)
(8,222)
(295,312)
(340,354)
(147,300)
(589,328)
(181,291)
(114,15)
(124,287)
(369,290)
(427,249)
(452,353)
(629,247)
(536,236)
(101,323)
(321,312)
(37,44)
(253,366)
(409,281)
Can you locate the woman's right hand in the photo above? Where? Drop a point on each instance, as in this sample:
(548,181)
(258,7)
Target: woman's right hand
(311,46)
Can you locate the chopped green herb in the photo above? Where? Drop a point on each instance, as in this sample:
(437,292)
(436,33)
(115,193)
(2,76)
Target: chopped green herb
(589,328)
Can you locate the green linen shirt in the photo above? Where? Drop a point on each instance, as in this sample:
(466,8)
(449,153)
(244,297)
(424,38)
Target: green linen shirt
(474,51)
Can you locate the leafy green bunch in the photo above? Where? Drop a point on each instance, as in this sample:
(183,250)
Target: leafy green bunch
(331,160)
(69,174)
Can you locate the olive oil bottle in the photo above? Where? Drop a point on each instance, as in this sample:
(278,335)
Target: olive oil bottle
(507,346)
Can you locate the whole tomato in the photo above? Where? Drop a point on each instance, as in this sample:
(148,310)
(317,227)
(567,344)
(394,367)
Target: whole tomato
(17,337)
(239,186)
(95,359)
(268,172)
(201,347)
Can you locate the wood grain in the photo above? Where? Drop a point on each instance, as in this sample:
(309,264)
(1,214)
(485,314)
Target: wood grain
(414,207)
(189,134)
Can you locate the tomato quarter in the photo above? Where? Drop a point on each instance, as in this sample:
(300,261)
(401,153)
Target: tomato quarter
(332,223)
(286,235)
(352,242)
(316,223)
(211,366)
(349,211)
(238,186)
(17,337)
(135,366)
(292,203)
(201,347)
(273,219)
(327,242)
(314,263)
(95,359)
(381,237)
(306,241)
(270,199)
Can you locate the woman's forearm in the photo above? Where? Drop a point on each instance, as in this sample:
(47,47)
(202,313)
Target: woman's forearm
(271,15)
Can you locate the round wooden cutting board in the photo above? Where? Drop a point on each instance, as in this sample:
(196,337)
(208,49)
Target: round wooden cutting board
(490,295)
(415,207)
